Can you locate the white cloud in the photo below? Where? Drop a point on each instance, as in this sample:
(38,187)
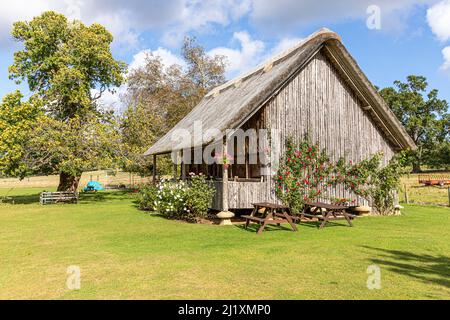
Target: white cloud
(438,17)
(127,19)
(112,100)
(249,53)
(167,57)
(200,15)
(284,45)
(11,11)
(283,15)
(446,54)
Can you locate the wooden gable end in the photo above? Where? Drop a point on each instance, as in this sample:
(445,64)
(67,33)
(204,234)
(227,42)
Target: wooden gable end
(321,104)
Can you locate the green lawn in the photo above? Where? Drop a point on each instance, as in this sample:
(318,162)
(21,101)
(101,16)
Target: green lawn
(127,254)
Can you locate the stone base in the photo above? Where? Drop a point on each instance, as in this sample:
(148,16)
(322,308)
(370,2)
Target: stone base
(225,218)
(363,210)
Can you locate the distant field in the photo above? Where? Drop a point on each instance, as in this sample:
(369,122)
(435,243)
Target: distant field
(52,181)
(423,194)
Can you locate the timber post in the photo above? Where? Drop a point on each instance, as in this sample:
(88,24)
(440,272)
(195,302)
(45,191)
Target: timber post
(175,166)
(183,168)
(224,177)
(154,168)
(406,195)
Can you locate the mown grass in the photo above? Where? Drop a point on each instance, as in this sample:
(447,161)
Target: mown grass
(421,194)
(124,253)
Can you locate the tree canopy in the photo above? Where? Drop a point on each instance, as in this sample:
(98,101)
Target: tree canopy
(425,118)
(65,63)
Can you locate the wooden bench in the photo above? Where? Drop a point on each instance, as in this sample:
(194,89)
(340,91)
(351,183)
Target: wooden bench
(58,197)
(271,215)
(333,212)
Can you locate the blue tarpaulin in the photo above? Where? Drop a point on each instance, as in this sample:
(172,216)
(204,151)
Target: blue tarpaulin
(93,186)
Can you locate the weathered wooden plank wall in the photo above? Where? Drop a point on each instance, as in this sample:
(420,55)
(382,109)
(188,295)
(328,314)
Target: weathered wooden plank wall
(241,194)
(317,103)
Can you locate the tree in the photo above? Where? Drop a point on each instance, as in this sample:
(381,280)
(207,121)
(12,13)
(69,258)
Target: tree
(423,114)
(68,66)
(159,96)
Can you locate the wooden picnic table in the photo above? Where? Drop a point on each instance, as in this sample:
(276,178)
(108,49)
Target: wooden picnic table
(333,212)
(272,214)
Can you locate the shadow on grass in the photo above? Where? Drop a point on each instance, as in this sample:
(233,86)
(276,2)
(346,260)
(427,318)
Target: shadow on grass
(23,199)
(89,197)
(84,198)
(425,267)
(253,227)
(331,223)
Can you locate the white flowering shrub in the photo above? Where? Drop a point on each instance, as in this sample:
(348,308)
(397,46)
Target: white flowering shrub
(171,198)
(186,200)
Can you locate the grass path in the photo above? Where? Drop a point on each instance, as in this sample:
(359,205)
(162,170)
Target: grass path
(127,254)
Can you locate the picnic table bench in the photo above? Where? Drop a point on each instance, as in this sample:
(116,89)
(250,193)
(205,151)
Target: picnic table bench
(58,197)
(272,214)
(313,210)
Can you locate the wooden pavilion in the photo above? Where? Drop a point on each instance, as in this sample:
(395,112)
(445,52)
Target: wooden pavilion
(315,89)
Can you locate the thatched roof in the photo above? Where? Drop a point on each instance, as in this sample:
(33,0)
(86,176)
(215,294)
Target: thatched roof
(231,104)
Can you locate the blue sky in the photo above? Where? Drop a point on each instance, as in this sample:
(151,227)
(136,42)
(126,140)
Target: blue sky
(412,37)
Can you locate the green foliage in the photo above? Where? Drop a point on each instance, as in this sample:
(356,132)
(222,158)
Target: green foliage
(355,176)
(372,181)
(147,197)
(185,200)
(199,196)
(17,122)
(424,116)
(303,174)
(440,156)
(63,62)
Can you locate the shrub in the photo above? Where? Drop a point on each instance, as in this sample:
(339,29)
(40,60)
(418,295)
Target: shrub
(372,181)
(185,200)
(199,196)
(303,174)
(171,198)
(147,197)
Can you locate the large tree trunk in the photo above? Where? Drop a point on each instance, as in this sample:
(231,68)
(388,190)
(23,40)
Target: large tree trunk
(416,167)
(417,157)
(68,182)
